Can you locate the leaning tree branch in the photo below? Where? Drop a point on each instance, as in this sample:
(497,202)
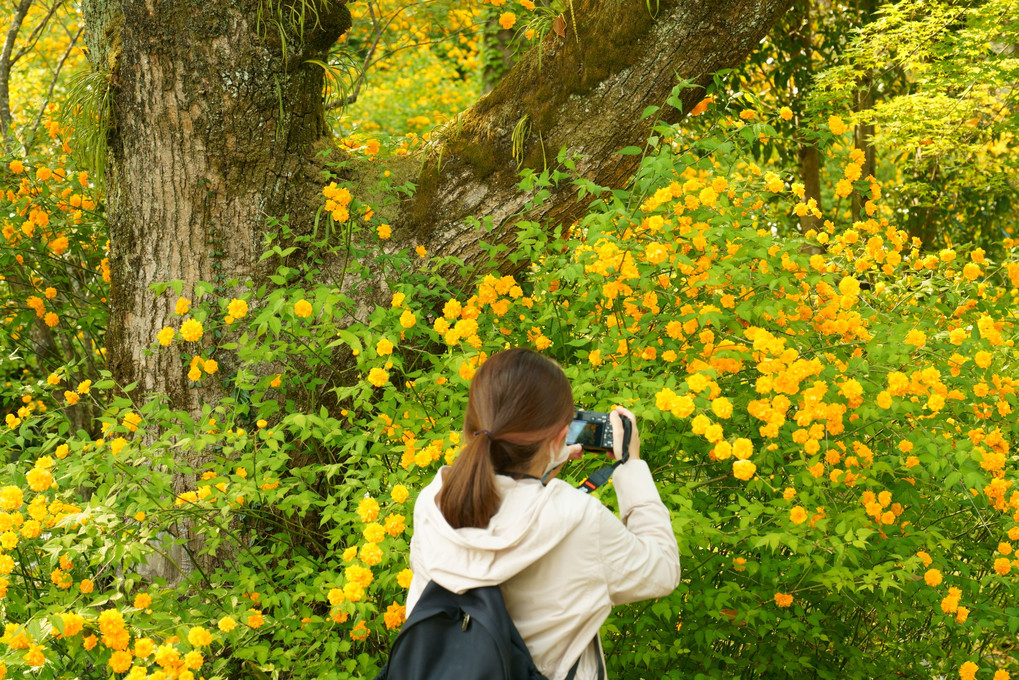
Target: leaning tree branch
(584,92)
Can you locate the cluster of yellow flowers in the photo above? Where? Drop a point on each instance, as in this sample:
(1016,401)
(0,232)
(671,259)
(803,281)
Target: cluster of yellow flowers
(337,201)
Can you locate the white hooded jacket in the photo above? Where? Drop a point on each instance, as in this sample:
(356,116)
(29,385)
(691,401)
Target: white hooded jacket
(561,557)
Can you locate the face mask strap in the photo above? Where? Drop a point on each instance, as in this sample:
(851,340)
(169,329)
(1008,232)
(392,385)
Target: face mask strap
(553,463)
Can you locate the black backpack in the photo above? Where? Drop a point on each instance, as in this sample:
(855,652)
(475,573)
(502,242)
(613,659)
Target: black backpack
(461,637)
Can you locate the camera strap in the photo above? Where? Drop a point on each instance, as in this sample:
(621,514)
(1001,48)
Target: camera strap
(598,478)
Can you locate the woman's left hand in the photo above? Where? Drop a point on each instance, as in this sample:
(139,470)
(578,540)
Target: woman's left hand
(576,453)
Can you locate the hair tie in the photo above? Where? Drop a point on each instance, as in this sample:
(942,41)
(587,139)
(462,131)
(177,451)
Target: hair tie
(486,433)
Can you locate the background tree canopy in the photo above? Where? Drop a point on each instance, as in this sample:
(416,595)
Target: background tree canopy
(254,251)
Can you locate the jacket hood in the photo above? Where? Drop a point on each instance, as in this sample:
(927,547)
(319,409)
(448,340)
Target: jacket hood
(531,520)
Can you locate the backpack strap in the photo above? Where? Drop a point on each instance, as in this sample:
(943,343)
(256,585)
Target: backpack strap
(601,668)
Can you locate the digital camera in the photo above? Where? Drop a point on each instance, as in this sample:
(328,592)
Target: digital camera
(593,431)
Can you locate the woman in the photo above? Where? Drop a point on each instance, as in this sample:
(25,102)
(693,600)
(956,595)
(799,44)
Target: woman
(561,558)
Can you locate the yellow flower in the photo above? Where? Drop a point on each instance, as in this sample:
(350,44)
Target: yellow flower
(785,113)
(399,493)
(968,670)
(395,525)
(210,366)
(384,231)
(368,509)
(199,637)
(374,532)
(142,601)
(783,599)
(378,377)
(302,308)
(371,554)
(237,308)
(384,347)
(420,250)
(182,306)
(255,619)
(227,624)
(407,319)
(359,631)
(17,167)
(84,386)
(165,336)
(131,421)
(721,407)
(798,515)
(742,448)
(404,578)
(120,661)
(836,125)
(191,330)
(916,338)
(743,469)
(932,577)
(507,20)
(71,397)
(86,586)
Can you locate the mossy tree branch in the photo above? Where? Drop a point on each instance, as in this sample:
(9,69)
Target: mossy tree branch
(587,97)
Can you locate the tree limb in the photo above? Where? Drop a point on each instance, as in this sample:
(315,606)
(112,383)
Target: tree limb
(587,97)
(30,138)
(5,72)
(33,37)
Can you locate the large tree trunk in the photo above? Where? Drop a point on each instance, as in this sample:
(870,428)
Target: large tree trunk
(215,128)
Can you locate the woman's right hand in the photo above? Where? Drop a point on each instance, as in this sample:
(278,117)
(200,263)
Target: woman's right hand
(617,433)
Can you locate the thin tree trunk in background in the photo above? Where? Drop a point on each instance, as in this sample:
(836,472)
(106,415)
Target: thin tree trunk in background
(5,72)
(864,101)
(216,130)
(809,158)
(862,135)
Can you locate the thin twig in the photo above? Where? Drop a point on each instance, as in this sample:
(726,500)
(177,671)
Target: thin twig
(30,139)
(33,37)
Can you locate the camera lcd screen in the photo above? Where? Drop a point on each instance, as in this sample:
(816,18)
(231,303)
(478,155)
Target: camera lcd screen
(584,432)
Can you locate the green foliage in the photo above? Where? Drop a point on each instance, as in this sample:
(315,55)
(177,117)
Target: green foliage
(88,114)
(949,134)
(830,417)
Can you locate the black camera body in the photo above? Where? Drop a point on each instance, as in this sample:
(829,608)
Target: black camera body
(593,431)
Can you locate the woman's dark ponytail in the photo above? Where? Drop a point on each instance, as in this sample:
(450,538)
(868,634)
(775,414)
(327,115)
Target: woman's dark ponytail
(518,399)
(469,497)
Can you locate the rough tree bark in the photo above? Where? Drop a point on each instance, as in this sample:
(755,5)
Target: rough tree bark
(215,129)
